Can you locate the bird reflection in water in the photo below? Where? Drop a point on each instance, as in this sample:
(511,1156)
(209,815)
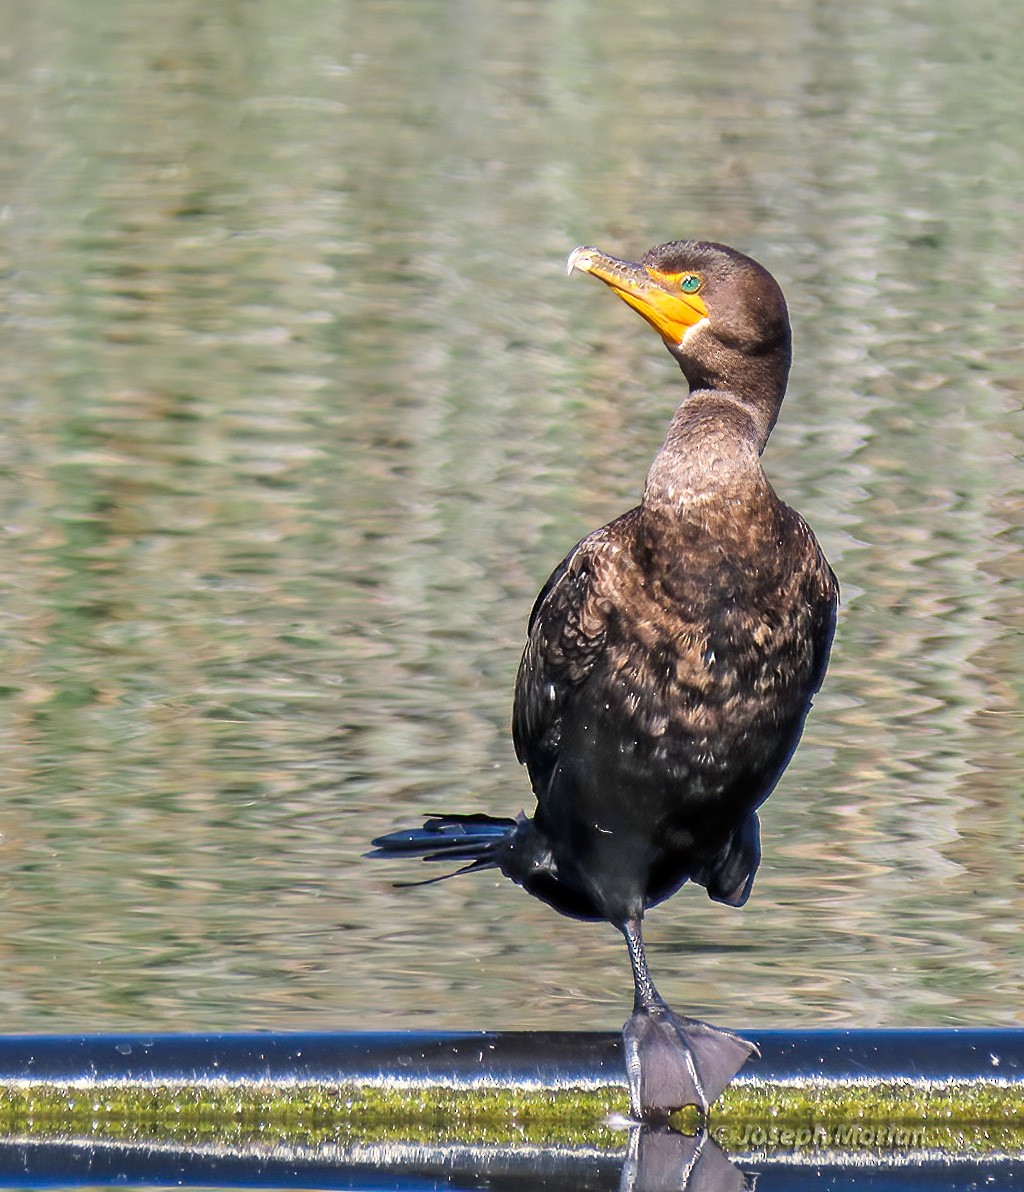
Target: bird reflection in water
(670,663)
(661,1160)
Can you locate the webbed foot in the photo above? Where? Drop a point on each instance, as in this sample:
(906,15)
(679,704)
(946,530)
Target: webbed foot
(674,1061)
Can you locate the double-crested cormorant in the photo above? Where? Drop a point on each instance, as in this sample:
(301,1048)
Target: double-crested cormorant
(670,663)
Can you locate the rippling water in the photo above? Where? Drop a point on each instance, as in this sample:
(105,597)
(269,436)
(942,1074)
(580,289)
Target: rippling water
(300,410)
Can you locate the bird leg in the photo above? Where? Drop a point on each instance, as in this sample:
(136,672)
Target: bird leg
(672,1061)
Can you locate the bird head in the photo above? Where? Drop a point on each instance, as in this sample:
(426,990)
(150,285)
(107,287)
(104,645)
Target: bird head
(721,314)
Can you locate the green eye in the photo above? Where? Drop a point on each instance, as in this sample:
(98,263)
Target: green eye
(690,284)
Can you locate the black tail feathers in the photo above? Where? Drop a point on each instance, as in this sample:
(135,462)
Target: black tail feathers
(477,838)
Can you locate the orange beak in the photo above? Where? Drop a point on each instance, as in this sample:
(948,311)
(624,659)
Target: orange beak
(655,296)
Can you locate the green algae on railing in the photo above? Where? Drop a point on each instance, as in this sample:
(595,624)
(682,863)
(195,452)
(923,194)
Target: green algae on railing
(305,1114)
(977,1116)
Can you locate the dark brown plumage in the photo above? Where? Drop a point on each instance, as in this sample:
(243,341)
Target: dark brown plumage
(670,662)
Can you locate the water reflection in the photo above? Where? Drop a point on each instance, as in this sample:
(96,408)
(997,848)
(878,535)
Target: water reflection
(652,1162)
(299,411)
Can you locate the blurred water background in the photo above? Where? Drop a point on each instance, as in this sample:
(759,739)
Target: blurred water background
(299,410)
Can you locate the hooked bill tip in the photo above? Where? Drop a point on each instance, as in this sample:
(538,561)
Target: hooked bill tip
(579,259)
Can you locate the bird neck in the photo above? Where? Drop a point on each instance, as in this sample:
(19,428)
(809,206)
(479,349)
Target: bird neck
(710,457)
(756,382)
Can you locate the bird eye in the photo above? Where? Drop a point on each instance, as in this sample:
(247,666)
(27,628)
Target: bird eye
(690,283)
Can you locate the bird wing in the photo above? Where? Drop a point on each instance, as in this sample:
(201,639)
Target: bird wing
(826,625)
(822,597)
(562,648)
